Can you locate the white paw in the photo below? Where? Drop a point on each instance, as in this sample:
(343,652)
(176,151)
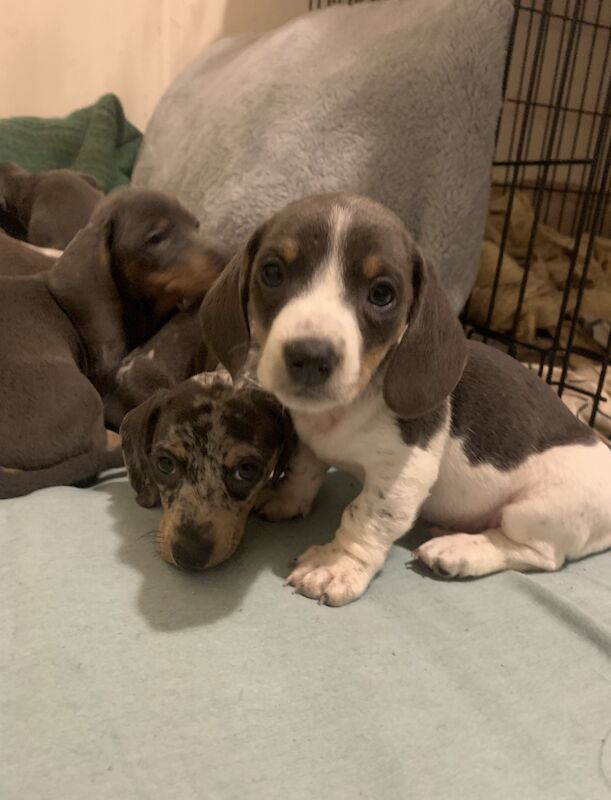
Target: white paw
(279,504)
(457,555)
(329,574)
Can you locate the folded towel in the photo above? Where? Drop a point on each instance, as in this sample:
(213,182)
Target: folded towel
(549,269)
(97,139)
(397,100)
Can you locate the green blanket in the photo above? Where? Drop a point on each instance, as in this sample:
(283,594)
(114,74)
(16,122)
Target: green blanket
(97,139)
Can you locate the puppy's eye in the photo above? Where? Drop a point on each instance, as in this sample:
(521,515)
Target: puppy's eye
(248,471)
(156,238)
(166,464)
(271,274)
(381,293)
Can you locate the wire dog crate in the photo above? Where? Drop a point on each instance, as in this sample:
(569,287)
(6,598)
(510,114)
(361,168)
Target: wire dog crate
(550,195)
(544,289)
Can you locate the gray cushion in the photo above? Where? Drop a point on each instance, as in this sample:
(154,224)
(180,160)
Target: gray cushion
(396,99)
(123,678)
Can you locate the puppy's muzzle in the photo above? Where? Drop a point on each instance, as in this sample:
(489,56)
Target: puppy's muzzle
(192,546)
(310,362)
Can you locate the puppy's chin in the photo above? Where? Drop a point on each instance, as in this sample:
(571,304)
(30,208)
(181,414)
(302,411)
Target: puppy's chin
(300,398)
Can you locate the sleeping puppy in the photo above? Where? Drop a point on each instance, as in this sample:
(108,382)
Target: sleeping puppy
(49,207)
(20,258)
(173,354)
(63,334)
(358,341)
(206,451)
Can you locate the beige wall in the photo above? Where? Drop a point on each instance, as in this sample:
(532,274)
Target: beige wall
(57,55)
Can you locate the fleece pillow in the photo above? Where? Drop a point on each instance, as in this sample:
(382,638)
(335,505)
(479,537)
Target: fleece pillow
(396,99)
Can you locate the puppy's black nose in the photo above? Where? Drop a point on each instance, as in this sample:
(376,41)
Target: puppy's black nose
(310,362)
(192,547)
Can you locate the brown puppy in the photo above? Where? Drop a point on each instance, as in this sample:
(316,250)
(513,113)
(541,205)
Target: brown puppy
(64,333)
(172,355)
(50,207)
(21,258)
(207,451)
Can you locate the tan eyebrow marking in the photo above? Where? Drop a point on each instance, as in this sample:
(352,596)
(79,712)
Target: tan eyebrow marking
(289,249)
(239,451)
(372,266)
(179,451)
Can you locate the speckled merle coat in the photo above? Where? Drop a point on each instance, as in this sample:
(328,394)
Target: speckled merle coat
(207,452)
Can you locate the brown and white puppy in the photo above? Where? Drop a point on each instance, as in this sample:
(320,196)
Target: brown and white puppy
(358,341)
(206,451)
(49,207)
(19,258)
(63,334)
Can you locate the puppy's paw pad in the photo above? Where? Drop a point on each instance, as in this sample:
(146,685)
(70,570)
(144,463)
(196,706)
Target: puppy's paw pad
(330,575)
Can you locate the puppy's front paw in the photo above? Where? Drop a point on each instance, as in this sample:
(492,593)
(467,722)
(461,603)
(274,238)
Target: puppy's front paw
(282,503)
(329,574)
(457,555)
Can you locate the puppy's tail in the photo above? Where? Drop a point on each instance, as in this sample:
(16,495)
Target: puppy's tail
(79,469)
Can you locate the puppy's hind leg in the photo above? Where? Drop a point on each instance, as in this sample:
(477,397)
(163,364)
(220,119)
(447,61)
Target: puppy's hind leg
(463,555)
(532,535)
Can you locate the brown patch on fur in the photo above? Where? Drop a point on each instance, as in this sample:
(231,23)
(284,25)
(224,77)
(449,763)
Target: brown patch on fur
(113,440)
(259,331)
(164,225)
(289,250)
(11,470)
(188,280)
(370,361)
(228,530)
(167,528)
(371,266)
(179,451)
(191,279)
(235,455)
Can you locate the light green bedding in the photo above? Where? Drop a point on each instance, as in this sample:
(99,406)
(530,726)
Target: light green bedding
(97,139)
(125,678)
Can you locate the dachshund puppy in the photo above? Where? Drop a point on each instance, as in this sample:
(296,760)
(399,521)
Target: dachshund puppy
(63,334)
(49,207)
(358,341)
(207,451)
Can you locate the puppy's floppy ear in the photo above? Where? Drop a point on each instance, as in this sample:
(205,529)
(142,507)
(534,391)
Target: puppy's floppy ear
(427,363)
(224,310)
(137,431)
(82,284)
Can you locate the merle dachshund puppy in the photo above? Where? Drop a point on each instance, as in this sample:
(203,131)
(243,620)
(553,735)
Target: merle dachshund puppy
(208,452)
